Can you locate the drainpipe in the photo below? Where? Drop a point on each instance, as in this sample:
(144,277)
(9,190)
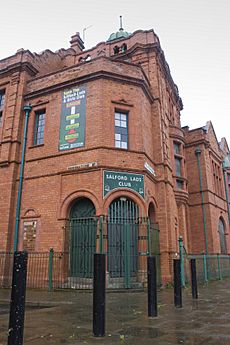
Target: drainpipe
(226,192)
(27,109)
(198,153)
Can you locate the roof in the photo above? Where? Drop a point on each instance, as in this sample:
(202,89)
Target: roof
(121,34)
(118,35)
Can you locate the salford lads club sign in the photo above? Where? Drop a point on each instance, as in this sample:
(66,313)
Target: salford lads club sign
(116,180)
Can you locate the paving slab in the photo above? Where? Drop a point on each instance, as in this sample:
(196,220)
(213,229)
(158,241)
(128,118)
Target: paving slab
(65,317)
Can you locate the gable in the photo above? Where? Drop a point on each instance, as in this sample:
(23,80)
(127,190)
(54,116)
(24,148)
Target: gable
(211,136)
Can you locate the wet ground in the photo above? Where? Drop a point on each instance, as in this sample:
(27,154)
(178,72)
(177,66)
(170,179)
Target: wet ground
(66,318)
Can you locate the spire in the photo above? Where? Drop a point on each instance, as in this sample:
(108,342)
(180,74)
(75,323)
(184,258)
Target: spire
(121,28)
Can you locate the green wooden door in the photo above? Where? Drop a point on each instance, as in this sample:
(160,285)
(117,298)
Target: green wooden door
(123,239)
(83,226)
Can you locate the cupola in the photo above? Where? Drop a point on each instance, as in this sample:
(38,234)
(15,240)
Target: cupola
(121,34)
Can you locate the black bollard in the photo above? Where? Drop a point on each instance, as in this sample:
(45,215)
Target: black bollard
(193,279)
(99,295)
(177,284)
(152,286)
(18,297)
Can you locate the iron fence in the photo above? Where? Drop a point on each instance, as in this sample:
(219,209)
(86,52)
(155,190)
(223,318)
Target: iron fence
(209,267)
(125,237)
(126,242)
(51,270)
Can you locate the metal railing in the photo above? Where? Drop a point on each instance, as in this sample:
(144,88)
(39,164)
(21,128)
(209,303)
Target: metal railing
(52,271)
(127,242)
(210,267)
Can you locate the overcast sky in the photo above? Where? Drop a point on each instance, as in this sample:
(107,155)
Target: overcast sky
(194,35)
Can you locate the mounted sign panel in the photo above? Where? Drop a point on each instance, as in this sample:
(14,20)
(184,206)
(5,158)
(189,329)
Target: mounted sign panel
(117,180)
(72,129)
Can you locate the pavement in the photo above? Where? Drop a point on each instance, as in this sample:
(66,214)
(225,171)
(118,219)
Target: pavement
(65,317)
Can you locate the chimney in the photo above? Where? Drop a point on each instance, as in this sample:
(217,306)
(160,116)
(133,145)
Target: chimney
(76,43)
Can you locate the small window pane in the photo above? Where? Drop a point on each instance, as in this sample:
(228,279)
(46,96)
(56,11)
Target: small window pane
(117,136)
(117,116)
(117,144)
(124,145)
(176,148)
(39,127)
(179,184)
(117,123)
(178,166)
(123,124)
(123,117)
(2,98)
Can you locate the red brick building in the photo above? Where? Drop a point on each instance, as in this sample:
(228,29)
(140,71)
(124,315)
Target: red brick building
(208,188)
(105,148)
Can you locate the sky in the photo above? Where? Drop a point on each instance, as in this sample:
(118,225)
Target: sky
(194,34)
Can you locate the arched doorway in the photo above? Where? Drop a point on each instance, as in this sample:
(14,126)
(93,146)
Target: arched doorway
(221,230)
(123,225)
(83,227)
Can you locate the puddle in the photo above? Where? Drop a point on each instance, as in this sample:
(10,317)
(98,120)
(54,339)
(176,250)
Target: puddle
(5,308)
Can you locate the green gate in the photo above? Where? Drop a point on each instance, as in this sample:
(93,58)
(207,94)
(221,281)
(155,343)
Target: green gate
(83,227)
(123,240)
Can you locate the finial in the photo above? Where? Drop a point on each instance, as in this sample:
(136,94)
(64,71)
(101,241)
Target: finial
(121,28)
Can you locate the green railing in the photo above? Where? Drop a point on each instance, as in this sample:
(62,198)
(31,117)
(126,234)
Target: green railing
(126,241)
(209,267)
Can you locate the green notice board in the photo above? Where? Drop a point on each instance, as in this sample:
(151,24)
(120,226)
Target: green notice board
(72,129)
(115,180)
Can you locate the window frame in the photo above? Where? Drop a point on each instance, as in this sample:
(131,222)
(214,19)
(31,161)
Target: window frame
(222,234)
(121,129)
(38,139)
(178,166)
(2,104)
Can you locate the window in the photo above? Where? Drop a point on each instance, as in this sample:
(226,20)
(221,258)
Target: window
(2,102)
(121,130)
(178,166)
(177,148)
(2,99)
(217,178)
(179,184)
(40,117)
(221,229)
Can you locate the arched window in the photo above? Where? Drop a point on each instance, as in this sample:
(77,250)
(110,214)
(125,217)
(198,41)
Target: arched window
(223,247)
